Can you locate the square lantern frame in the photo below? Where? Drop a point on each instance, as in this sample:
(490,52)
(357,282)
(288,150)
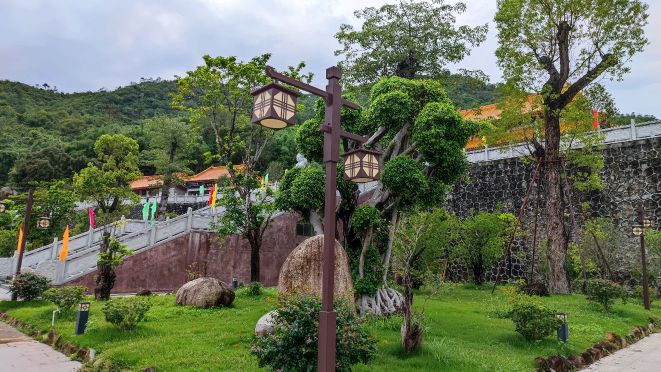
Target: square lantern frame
(274,106)
(362,165)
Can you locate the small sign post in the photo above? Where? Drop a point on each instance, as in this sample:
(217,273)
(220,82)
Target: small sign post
(82,317)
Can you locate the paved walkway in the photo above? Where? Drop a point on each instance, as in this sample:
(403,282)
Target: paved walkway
(643,356)
(19,352)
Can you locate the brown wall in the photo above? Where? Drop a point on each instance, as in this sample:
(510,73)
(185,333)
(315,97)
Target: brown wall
(167,266)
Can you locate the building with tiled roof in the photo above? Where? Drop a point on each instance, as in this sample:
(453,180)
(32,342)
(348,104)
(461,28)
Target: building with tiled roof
(150,186)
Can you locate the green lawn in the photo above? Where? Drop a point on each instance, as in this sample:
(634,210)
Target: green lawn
(462,333)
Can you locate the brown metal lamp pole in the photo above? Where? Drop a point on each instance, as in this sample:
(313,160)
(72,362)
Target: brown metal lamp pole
(26,230)
(274,107)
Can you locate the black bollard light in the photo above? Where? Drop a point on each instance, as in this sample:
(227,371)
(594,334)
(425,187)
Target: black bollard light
(235,284)
(82,317)
(563,330)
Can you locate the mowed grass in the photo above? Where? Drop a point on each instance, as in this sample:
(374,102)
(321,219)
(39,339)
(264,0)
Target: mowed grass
(463,332)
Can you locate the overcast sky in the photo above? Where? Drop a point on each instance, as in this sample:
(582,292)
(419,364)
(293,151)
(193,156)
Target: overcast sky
(91,44)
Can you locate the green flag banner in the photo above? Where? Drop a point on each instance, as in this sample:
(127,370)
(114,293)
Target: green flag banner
(145,211)
(201,190)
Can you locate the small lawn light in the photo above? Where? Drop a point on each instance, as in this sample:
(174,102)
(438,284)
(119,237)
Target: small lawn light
(362,165)
(647,223)
(563,330)
(43,223)
(3,207)
(274,106)
(82,317)
(235,284)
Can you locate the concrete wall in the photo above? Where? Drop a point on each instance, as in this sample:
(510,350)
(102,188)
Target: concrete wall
(168,266)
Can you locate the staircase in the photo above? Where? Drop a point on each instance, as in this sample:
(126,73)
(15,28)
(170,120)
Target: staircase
(137,235)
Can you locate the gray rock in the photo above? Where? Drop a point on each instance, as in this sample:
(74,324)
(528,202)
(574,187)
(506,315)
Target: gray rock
(205,292)
(265,325)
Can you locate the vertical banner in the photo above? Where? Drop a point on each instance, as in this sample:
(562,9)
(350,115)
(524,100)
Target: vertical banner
(595,119)
(211,191)
(20,239)
(201,190)
(65,245)
(213,197)
(145,211)
(90,211)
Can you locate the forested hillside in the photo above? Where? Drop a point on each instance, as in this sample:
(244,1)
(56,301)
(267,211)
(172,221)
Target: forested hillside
(49,131)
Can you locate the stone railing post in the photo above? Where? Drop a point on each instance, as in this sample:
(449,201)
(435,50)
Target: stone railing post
(60,272)
(486,152)
(152,235)
(189,219)
(633,129)
(122,225)
(53,253)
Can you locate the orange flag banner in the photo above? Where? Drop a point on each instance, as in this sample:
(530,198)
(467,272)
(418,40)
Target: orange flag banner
(65,245)
(20,239)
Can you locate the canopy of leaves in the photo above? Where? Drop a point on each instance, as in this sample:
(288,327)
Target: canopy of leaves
(302,189)
(408,39)
(405,178)
(365,217)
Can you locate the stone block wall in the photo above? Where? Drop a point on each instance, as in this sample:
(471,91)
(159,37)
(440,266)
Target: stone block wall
(631,176)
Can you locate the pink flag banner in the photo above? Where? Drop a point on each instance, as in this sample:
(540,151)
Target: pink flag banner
(91,213)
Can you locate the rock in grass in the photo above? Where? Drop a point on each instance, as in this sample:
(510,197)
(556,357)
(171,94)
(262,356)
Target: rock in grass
(265,325)
(205,292)
(302,271)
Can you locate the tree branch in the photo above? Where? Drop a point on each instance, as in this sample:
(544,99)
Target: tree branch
(607,62)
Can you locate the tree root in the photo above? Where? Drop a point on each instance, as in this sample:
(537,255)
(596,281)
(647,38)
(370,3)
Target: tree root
(386,301)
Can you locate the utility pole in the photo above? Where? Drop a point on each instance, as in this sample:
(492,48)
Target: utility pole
(26,230)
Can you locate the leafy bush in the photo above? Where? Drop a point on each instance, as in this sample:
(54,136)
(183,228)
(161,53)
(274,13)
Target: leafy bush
(533,320)
(29,286)
(293,345)
(126,313)
(605,292)
(66,297)
(8,242)
(254,289)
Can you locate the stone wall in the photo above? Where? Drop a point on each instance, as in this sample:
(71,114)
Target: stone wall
(169,265)
(631,176)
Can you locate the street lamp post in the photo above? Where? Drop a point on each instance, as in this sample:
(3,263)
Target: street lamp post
(274,107)
(639,230)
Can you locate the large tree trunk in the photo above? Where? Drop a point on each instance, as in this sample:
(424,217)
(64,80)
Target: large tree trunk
(363,253)
(411,331)
(555,227)
(105,275)
(254,259)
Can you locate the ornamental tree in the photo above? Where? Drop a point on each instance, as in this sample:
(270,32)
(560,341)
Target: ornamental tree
(409,39)
(421,136)
(556,49)
(218,95)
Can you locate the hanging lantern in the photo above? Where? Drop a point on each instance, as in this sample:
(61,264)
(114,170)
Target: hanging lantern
(637,230)
(274,106)
(43,223)
(3,207)
(362,165)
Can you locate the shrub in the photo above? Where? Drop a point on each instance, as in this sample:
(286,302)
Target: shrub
(126,313)
(254,289)
(29,286)
(293,345)
(533,320)
(66,297)
(604,292)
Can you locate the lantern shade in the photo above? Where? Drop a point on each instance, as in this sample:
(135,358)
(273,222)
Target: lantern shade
(43,223)
(647,222)
(637,230)
(362,165)
(274,106)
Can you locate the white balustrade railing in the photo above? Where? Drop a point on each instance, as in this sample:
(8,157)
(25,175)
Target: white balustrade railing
(632,132)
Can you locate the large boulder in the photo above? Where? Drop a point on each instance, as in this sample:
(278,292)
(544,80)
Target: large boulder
(302,271)
(205,292)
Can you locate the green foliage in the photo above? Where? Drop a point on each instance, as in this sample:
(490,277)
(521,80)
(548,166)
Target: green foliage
(302,189)
(481,240)
(372,279)
(125,313)
(405,178)
(108,183)
(29,286)
(293,345)
(8,242)
(532,319)
(605,292)
(43,165)
(408,39)
(115,254)
(310,140)
(65,298)
(391,110)
(254,289)
(364,217)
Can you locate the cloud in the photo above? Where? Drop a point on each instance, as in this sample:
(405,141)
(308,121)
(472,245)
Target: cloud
(93,44)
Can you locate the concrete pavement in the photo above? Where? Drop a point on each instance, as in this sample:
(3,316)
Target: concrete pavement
(643,356)
(19,352)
